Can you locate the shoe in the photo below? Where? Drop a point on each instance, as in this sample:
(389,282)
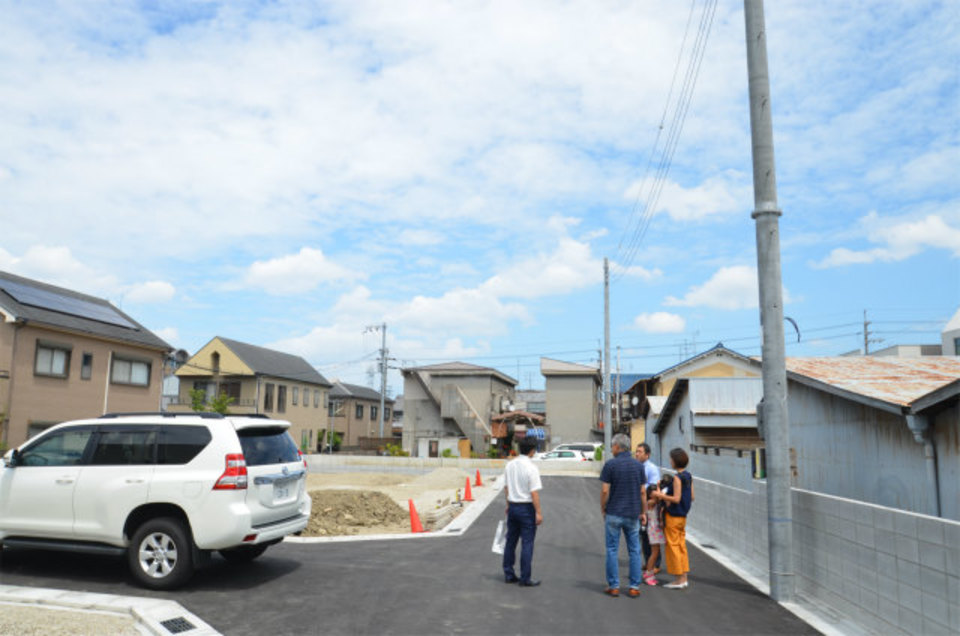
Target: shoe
(612,591)
(530,583)
(633,592)
(510,579)
(650,580)
(677,586)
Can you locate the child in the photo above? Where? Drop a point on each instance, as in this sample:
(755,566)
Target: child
(654,533)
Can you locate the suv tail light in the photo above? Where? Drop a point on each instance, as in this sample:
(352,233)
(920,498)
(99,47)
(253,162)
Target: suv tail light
(235,476)
(300,454)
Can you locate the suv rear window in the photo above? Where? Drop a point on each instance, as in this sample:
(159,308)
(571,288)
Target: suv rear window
(267,445)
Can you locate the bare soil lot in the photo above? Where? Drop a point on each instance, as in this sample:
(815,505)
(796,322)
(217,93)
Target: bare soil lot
(377,503)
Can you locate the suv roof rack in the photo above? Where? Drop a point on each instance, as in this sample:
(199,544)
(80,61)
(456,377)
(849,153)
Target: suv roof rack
(203,414)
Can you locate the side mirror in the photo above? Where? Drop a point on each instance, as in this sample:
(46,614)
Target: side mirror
(10,459)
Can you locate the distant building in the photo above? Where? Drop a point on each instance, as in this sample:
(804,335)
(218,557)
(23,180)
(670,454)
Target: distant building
(573,401)
(259,380)
(355,412)
(66,355)
(451,406)
(950,336)
(532,401)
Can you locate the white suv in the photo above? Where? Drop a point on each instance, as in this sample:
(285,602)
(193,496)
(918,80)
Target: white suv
(165,489)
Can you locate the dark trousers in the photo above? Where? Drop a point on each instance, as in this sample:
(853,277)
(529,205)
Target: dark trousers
(521,524)
(645,546)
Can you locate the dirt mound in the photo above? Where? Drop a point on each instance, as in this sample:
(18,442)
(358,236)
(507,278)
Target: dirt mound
(340,512)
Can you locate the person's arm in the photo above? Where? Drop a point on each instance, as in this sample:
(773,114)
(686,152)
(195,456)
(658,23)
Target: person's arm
(506,494)
(674,496)
(535,496)
(604,495)
(643,505)
(691,492)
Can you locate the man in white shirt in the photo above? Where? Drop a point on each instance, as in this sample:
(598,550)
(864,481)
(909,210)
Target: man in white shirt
(523,513)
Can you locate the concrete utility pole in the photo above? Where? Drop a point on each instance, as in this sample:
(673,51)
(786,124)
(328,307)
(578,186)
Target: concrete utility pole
(382,328)
(774,405)
(607,435)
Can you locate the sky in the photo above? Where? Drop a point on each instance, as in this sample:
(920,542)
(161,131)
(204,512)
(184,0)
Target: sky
(288,174)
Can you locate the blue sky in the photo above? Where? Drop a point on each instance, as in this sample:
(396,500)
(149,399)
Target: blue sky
(287,173)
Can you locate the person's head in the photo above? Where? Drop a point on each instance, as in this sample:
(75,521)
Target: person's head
(679,458)
(650,490)
(643,452)
(665,482)
(620,444)
(527,446)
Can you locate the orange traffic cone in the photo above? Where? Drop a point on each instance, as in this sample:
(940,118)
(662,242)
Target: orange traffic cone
(479,481)
(467,495)
(415,525)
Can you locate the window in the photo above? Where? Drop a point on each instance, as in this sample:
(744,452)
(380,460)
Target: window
(335,408)
(267,446)
(295,396)
(86,366)
(52,359)
(956,346)
(281,398)
(359,411)
(63,448)
(231,389)
(128,371)
(180,444)
(215,362)
(268,397)
(373,412)
(386,412)
(125,447)
(316,398)
(306,397)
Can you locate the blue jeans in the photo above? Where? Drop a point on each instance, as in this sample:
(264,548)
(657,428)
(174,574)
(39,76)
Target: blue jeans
(630,528)
(521,524)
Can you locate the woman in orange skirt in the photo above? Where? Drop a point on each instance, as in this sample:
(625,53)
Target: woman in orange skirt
(678,499)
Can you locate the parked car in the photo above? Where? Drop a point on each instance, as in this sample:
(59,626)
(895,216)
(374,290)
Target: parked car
(563,455)
(586,448)
(163,489)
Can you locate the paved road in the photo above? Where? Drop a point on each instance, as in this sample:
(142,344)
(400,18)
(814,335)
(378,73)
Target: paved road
(438,586)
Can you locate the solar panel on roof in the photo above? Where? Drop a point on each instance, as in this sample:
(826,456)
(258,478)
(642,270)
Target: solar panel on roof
(53,301)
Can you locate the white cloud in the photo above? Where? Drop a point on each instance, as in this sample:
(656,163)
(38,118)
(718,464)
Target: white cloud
(155,291)
(170,334)
(419,238)
(295,273)
(660,322)
(56,265)
(898,239)
(729,288)
(721,195)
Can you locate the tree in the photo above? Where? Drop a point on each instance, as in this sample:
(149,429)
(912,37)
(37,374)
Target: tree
(219,404)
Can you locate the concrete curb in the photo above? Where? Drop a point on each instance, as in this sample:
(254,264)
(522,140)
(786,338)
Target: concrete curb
(147,614)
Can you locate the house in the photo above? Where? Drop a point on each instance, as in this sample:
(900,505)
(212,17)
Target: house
(650,409)
(66,355)
(882,430)
(573,401)
(532,401)
(717,362)
(354,411)
(259,380)
(451,406)
(950,336)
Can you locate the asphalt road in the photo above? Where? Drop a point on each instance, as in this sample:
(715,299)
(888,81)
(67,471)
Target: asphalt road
(437,586)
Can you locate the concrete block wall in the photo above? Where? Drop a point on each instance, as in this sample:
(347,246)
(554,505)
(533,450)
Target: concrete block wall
(887,570)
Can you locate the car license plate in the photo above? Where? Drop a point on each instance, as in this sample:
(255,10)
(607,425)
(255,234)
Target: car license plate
(282,490)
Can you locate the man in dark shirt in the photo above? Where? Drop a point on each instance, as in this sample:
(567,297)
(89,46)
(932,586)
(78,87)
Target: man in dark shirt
(623,502)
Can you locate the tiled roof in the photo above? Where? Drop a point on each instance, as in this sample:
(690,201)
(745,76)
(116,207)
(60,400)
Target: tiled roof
(344,390)
(898,381)
(32,314)
(277,364)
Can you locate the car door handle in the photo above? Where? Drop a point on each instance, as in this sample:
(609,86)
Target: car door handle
(133,480)
(65,480)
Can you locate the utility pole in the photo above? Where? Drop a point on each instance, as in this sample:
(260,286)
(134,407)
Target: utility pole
(382,328)
(606,360)
(617,389)
(773,407)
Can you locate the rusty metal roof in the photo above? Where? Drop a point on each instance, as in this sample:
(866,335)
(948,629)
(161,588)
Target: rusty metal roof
(901,381)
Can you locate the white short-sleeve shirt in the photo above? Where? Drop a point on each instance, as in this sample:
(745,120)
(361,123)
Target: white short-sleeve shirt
(523,478)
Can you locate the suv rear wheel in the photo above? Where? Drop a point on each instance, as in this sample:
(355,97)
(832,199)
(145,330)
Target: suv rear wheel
(244,554)
(161,554)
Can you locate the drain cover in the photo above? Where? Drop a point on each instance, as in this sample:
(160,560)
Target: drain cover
(178,625)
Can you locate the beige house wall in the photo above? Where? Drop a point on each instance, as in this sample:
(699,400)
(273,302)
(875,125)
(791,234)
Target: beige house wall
(42,400)
(571,408)
(712,370)
(353,428)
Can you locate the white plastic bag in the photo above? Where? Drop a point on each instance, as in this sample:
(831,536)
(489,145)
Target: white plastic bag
(500,538)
